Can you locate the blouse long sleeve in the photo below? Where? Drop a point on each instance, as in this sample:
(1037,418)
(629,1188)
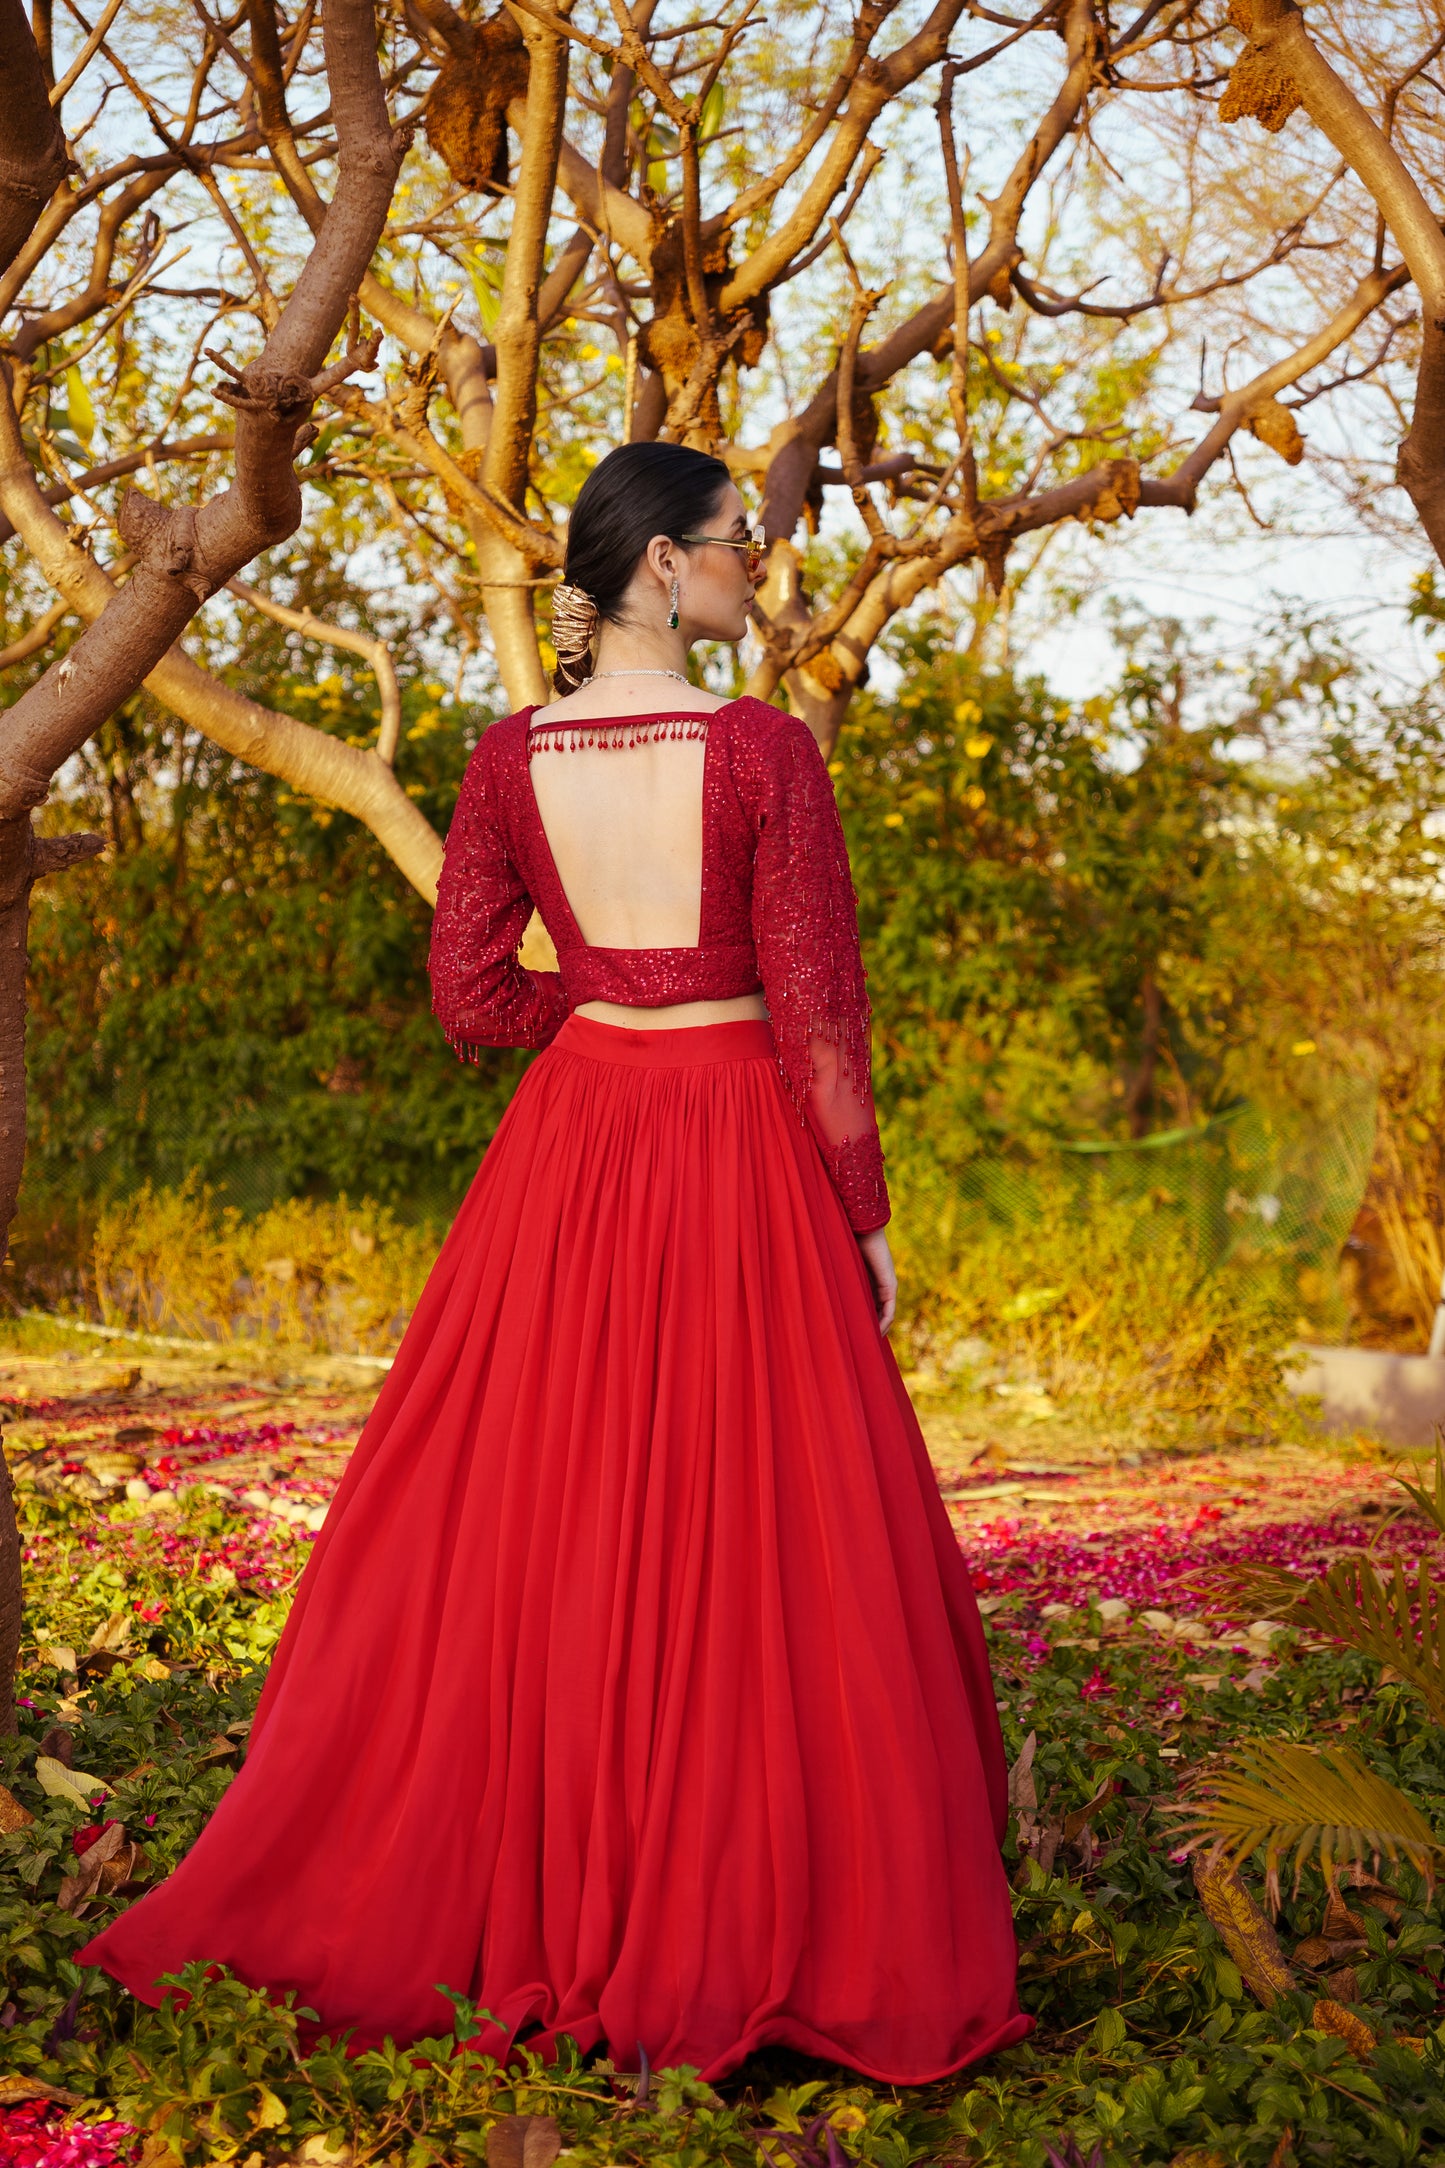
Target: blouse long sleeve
(481,994)
(805,930)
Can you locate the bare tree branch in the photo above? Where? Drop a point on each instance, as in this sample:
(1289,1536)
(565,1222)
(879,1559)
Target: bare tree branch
(182,556)
(376,652)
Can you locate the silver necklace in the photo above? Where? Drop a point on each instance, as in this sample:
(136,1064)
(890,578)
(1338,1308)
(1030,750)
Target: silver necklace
(681,679)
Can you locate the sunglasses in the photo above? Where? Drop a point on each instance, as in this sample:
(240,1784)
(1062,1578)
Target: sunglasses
(753,545)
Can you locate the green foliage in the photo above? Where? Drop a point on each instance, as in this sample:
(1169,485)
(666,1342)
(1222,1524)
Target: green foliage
(1147,2043)
(239,990)
(1087,924)
(329,1275)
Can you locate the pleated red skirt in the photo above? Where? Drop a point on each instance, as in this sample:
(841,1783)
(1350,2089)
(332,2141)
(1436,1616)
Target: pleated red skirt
(635,1687)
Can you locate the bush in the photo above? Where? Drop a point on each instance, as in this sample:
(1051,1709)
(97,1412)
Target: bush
(338,1277)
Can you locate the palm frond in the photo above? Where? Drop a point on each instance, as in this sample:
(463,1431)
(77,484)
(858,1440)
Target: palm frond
(1384,1617)
(1431,1503)
(1322,1802)
(1394,1616)
(1250,1591)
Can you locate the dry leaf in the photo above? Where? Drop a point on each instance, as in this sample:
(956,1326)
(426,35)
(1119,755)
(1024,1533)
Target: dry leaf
(523,2141)
(1118,495)
(14,2089)
(1001,287)
(1023,1796)
(1340,1924)
(1259,88)
(1376,1894)
(1332,2017)
(12,1815)
(220,1749)
(1343,1984)
(1076,1823)
(318,2153)
(63,1783)
(158,2152)
(1243,1928)
(1276,426)
(76,1888)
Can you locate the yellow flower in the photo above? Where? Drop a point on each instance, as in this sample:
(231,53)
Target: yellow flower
(978,745)
(893,820)
(968,711)
(1303,1046)
(973,797)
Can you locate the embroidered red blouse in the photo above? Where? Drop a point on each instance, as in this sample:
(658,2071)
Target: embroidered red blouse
(779,916)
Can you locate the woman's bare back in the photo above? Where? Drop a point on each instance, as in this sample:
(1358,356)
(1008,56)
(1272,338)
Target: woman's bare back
(624,826)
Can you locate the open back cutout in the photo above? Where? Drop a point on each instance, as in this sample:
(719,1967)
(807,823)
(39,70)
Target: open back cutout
(624,826)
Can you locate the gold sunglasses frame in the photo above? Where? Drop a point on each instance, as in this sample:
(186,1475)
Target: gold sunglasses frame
(754,543)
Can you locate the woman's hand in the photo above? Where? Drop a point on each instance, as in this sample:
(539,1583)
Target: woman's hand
(879,1259)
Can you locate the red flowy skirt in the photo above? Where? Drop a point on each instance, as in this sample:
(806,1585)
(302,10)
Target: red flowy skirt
(635,1687)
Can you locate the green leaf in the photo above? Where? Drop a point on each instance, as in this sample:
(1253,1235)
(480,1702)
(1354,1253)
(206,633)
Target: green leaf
(711,117)
(270,2112)
(486,280)
(82,413)
(1176,2106)
(1109,2032)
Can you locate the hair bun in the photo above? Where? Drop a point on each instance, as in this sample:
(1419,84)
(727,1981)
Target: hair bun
(574,628)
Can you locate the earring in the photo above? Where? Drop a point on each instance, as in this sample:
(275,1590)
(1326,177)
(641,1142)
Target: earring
(672,619)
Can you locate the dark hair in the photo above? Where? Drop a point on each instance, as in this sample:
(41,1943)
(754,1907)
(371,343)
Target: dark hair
(636,492)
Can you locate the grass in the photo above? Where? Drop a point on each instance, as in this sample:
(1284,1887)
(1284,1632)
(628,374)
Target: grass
(1109,1301)
(1149,2045)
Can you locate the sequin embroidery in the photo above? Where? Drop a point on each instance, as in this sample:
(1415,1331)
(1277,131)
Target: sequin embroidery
(779,915)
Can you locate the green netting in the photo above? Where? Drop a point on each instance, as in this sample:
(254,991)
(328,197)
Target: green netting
(1252,1189)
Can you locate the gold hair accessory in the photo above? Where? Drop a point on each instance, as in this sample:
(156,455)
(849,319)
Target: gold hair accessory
(574,625)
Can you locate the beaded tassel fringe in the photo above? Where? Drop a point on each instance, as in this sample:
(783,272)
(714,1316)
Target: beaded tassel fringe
(564,736)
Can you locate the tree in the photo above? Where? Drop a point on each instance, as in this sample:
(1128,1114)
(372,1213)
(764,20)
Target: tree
(1282,68)
(699,192)
(178,557)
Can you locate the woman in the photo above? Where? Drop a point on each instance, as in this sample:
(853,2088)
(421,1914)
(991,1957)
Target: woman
(635,1687)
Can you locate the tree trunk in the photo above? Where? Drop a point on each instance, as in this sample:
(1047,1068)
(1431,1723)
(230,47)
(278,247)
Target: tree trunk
(821,707)
(1140,1096)
(33,157)
(24,856)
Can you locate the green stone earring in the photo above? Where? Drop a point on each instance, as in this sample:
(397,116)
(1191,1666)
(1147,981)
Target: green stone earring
(672,618)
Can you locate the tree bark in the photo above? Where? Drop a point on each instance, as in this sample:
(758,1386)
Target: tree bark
(1278,28)
(24,856)
(183,555)
(506,570)
(33,157)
